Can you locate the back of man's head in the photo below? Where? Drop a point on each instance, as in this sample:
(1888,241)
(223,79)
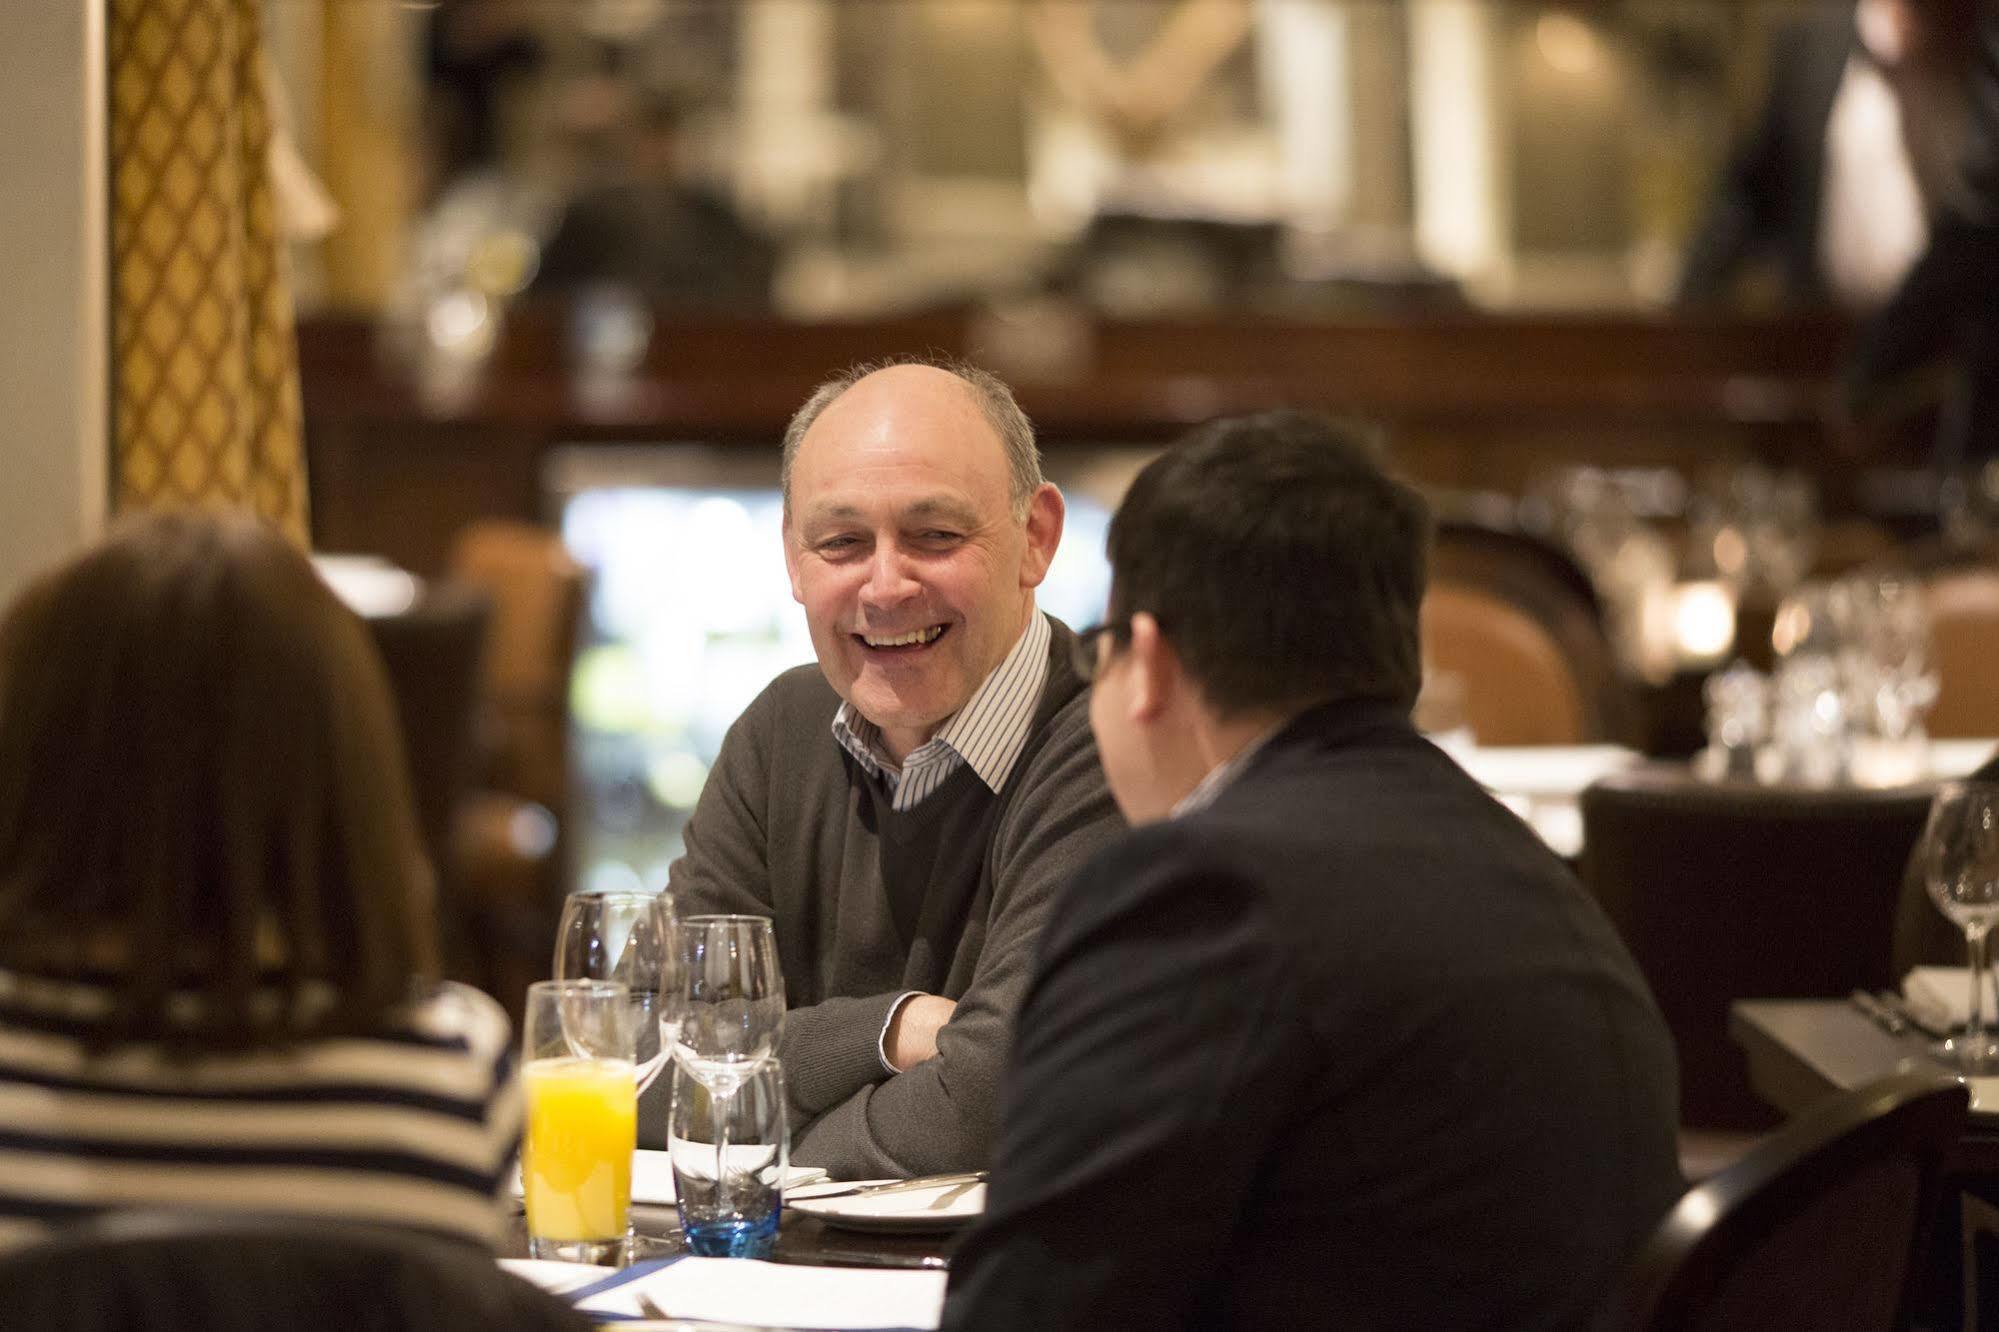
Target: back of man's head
(1282,563)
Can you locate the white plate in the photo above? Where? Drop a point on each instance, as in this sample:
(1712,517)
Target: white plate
(652,1177)
(937,1207)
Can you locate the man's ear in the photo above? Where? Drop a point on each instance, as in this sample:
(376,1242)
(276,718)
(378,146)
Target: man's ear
(1156,676)
(1045,512)
(791,560)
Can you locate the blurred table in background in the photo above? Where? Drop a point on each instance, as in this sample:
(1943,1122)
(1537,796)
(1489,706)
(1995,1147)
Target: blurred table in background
(1543,784)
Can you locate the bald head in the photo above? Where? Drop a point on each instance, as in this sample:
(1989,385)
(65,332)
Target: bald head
(880,384)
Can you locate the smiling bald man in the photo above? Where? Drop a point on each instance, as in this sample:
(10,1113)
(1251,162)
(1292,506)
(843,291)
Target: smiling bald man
(906,809)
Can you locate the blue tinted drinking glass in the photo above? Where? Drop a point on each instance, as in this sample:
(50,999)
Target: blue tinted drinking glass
(729,1156)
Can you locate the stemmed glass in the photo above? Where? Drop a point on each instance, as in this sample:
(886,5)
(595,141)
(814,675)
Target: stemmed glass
(1895,627)
(1960,858)
(624,936)
(729,1007)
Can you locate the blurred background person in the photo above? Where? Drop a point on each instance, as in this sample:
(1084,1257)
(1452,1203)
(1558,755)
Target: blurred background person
(1871,182)
(1946,310)
(217,935)
(643,224)
(1823,189)
(477,54)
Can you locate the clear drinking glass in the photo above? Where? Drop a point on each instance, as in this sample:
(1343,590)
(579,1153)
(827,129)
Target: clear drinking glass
(729,1156)
(728,1010)
(582,1119)
(625,936)
(1959,853)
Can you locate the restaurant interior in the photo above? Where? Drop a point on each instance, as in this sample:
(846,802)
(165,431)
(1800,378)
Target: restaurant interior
(501,307)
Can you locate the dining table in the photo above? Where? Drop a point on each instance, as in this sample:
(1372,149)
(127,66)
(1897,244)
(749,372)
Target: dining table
(729,1298)
(800,1239)
(1800,1051)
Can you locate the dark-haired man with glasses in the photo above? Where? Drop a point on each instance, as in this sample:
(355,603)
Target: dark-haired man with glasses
(1329,1039)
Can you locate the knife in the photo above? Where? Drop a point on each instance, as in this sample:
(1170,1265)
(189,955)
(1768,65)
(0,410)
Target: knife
(1879,1013)
(862,1258)
(893,1186)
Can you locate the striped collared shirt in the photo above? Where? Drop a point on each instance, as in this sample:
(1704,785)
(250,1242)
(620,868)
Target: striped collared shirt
(1223,774)
(988,732)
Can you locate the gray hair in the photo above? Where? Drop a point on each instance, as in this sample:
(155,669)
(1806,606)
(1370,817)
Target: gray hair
(993,398)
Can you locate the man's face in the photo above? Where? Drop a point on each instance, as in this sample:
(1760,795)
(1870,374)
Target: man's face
(1118,746)
(1126,744)
(915,576)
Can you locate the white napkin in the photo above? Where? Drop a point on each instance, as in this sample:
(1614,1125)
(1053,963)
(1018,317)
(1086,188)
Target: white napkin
(1941,996)
(652,1177)
(739,1290)
(1984,1095)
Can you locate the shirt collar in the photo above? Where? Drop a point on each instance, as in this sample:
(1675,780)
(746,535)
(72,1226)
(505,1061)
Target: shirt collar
(988,733)
(1223,774)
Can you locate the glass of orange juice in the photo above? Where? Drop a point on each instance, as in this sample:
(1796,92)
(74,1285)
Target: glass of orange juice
(581,1087)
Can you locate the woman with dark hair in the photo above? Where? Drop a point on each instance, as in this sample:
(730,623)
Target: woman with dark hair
(217,938)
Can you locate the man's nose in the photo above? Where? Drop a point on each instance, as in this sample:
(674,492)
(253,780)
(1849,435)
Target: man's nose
(889,580)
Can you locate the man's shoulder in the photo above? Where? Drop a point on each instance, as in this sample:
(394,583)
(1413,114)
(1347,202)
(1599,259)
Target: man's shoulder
(1139,874)
(785,725)
(1063,757)
(795,696)
(1379,810)
(1068,727)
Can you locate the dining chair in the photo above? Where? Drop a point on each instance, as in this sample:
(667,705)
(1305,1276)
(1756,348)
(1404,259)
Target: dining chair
(1963,603)
(1518,687)
(1727,891)
(1519,622)
(513,835)
(153,1272)
(432,652)
(536,590)
(1823,1226)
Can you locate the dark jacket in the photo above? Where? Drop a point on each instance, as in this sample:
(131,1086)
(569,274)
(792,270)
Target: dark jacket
(1350,1048)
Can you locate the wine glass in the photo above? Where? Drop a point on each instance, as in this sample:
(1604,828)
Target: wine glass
(625,936)
(728,1009)
(1959,853)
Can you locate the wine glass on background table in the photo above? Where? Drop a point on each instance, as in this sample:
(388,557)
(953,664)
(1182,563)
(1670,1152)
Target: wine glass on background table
(1959,853)
(725,1018)
(624,936)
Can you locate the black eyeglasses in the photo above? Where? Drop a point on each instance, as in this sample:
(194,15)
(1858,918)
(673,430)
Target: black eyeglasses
(1083,648)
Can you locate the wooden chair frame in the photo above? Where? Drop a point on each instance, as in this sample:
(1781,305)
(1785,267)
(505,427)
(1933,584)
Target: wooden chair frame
(1719,1223)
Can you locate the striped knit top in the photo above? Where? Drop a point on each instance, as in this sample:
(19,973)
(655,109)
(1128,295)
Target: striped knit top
(416,1125)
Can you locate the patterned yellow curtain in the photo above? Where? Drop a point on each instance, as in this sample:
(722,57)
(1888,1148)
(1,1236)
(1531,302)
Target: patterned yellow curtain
(205,362)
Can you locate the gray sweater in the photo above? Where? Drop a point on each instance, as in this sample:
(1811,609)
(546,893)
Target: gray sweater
(782,830)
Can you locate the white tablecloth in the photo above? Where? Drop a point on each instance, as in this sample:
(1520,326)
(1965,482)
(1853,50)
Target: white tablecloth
(1542,783)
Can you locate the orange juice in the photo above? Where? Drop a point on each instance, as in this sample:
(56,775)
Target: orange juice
(576,1163)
